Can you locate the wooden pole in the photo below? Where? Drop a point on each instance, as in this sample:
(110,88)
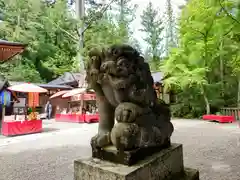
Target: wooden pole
(80,13)
(4,105)
(3,111)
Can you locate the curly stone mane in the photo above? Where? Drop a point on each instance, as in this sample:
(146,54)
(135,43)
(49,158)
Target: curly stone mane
(123,67)
(124,88)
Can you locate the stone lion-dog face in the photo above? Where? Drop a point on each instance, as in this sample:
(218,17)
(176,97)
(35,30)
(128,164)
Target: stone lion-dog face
(124,88)
(119,61)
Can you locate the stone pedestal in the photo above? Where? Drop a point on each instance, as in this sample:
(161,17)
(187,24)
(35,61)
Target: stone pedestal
(164,165)
(131,157)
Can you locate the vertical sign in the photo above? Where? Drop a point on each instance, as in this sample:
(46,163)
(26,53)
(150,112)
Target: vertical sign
(5,98)
(33,99)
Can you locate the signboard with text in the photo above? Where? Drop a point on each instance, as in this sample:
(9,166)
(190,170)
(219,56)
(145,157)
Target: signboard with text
(33,99)
(84,97)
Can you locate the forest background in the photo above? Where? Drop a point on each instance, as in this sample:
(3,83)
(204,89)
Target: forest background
(198,52)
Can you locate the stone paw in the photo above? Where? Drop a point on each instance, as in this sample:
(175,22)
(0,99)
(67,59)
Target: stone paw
(124,135)
(127,112)
(94,75)
(123,143)
(120,84)
(101,140)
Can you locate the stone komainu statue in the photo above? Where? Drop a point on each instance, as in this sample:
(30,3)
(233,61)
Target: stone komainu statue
(124,88)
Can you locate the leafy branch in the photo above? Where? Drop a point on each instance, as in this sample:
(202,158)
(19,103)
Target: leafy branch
(227,13)
(98,16)
(63,30)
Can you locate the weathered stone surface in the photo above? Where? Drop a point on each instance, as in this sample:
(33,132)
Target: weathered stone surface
(164,165)
(123,85)
(111,153)
(189,174)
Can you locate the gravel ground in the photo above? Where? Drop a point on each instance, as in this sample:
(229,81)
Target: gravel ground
(210,147)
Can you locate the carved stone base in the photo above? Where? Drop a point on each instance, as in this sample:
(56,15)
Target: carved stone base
(110,153)
(164,165)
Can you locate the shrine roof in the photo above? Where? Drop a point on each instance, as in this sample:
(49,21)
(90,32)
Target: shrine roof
(8,43)
(46,86)
(10,49)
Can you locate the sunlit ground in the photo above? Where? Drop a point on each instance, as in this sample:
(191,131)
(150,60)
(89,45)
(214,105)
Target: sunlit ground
(210,147)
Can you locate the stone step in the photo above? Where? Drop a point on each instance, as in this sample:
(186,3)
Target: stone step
(189,174)
(166,164)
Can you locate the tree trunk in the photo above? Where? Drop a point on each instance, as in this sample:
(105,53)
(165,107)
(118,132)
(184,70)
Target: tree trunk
(17,28)
(221,70)
(207,104)
(238,96)
(122,11)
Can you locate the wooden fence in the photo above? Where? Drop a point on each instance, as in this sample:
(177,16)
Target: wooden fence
(231,112)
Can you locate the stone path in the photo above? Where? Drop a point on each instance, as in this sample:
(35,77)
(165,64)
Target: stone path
(212,148)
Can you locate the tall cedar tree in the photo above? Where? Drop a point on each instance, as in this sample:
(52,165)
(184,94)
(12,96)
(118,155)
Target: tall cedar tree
(153,28)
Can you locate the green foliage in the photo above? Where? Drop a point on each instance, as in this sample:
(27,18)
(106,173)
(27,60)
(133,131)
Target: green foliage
(171,36)
(97,37)
(112,28)
(124,15)
(205,67)
(50,33)
(153,28)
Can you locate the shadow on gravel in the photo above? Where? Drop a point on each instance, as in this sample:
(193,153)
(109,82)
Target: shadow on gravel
(46,164)
(50,129)
(45,130)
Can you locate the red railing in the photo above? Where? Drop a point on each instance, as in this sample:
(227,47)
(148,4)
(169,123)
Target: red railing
(231,112)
